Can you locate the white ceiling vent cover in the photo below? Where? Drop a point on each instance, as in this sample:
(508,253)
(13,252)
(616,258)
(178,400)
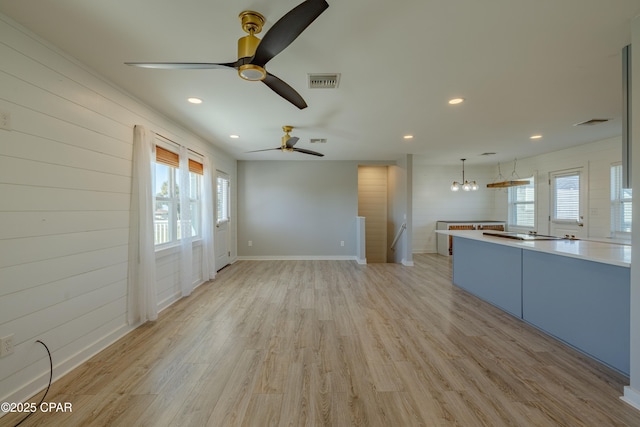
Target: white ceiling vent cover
(324,81)
(318,140)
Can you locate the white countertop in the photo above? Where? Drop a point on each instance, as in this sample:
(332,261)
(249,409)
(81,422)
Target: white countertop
(590,250)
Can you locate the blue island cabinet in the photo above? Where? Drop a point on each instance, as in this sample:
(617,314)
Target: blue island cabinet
(583,303)
(490,271)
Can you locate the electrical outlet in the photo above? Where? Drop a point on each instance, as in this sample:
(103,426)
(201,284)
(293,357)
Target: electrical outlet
(250,242)
(341,242)
(5,120)
(6,345)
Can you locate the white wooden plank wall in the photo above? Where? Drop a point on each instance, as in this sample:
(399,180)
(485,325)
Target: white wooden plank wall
(596,159)
(65,176)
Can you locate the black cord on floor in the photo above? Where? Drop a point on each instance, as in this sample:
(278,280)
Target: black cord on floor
(48,387)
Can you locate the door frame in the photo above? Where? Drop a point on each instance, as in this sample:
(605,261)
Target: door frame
(581,226)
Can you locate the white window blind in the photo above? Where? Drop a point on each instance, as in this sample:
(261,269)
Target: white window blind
(567,197)
(522,208)
(222,200)
(621,204)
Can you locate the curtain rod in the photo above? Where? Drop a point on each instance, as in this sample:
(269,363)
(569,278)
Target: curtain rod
(179,145)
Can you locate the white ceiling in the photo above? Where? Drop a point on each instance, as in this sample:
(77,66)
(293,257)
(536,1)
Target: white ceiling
(524,68)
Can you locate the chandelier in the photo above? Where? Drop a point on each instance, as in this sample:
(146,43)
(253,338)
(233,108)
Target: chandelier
(465,185)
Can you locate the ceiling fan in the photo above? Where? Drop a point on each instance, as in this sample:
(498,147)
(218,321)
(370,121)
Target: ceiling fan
(288,143)
(253,53)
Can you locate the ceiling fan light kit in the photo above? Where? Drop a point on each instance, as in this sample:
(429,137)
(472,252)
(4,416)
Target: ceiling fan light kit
(254,53)
(253,73)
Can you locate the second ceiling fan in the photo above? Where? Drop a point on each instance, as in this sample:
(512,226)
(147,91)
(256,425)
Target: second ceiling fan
(288,143)
(253,53)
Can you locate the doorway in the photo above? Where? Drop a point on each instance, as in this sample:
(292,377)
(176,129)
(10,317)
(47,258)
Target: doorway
(223,217)
(568,203)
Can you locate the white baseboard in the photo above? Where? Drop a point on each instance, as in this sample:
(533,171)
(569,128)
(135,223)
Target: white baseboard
(632,397)
(61,369)
(361,261)
(299,258)
(407,263)
(167,302)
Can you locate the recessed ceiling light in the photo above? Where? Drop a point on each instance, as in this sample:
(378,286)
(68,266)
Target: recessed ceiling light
(455,101)
(535,137)
(408,137)
(234,136)
(195,100)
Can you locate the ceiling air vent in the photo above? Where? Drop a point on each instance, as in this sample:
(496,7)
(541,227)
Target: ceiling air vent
(318,140)
(324,81)
(592,122)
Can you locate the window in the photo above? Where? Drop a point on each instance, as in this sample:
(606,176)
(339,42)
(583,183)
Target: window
(522,206)
(566,191)
(222,199)
(167,224)
(620,205)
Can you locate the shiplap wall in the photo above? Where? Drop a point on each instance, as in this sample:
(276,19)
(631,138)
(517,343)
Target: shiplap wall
(595,159)
(372,204)
(65,177)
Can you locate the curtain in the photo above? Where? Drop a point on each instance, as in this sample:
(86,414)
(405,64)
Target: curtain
(208,255)
(142,302)
(184,225)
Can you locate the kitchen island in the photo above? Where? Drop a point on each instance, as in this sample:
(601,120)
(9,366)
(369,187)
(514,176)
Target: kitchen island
(575,290)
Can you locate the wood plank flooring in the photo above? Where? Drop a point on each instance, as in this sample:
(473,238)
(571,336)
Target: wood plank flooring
(334,343)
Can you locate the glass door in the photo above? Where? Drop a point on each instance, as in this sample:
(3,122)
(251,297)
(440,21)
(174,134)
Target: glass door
(568,196)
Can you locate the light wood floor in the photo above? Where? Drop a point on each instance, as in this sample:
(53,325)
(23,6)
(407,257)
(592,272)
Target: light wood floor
(335,343)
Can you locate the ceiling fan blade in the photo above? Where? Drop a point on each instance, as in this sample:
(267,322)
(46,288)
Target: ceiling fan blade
(266,149)
(313,153)
(292,141)
(284,90)
(287,29)
(181,65)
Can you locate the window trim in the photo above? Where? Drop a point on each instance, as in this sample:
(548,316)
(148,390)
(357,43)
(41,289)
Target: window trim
(579,172)
(165,154)
(221,175)
(619,200)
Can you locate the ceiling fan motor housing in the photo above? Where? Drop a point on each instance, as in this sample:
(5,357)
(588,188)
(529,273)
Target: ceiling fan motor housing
(252,23)
(286,137)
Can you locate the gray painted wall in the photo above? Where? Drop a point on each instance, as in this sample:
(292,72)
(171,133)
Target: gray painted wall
(294,209)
